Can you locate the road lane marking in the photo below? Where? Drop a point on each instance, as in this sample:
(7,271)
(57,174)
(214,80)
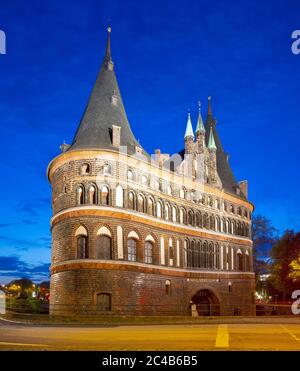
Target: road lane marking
(222,338)
(23,344)
(290,332)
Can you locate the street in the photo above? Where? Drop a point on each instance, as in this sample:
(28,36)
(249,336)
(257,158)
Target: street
(151,337)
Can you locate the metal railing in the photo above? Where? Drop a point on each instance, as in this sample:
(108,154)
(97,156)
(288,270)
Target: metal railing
(175,309)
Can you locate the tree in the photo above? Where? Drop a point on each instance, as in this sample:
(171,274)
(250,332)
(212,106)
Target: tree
(295,269)
(283,253)
(264,235)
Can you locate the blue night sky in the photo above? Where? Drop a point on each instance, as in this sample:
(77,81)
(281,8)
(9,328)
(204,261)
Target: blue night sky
(168,55)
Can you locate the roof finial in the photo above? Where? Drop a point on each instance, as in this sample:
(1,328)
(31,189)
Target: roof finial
(209,110)
(108,51)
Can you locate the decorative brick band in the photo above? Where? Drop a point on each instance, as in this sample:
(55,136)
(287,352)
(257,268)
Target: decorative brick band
(143,268)
(121,214)
(90,154)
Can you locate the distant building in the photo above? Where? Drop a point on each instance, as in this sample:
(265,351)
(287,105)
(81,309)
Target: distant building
(2,301)
(147,235)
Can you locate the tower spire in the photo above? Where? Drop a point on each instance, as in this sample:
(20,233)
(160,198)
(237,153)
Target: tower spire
(108,49)
(211,141)
(189,128)
(200,127)
(209,110)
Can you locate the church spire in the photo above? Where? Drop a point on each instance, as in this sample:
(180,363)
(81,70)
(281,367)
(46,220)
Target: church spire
(189,129)
(200,127)
(211,141)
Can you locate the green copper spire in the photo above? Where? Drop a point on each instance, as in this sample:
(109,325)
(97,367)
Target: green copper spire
(200,127)
(211,141)
(189,129)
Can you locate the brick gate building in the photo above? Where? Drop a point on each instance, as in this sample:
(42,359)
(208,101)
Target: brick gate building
(147,235)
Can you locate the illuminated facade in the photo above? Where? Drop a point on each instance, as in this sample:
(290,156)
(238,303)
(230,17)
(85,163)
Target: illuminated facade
(147,235)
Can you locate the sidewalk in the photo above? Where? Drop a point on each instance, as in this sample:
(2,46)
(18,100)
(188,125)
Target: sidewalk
(136,321)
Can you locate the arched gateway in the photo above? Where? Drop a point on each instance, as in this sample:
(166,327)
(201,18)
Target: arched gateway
(205,303)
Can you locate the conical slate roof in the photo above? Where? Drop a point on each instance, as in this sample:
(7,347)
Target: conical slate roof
(104,109)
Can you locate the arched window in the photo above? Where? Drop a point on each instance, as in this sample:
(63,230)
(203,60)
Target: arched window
(211,256)
(212,222)
(169,190)
(131,201)
(183,216)
(84,169)
(141,204)
(218,224)
(131,248)
(105,196)
(206,221)
(144,180)
(188,253)
(107,169)
(197,219)
(80,195)
(217,256)
(198,255)
(202,255)
(238,228)
(103,247)
(168,287)
(232,227)
(148,252)
(92,195)
(82,248)
(190,217)
(82,242)
(231,209)
(205,255)
(174,214)
(150,206)
(182,193)
(171,251)
(130,175)
(103,302)
(242,229)
(192,253)
(167,212)
(240,260)
(158,209)
(227,226)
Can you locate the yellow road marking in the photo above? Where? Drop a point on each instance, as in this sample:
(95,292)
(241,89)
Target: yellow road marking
(222,339)
(23,344)
(290,332)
